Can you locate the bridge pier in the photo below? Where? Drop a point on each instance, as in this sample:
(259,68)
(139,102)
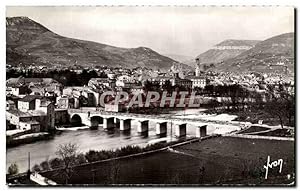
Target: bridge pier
(201,131)
(108,123)
(117,122)
(161,128)
(180,130)
(143,126)
(125,124)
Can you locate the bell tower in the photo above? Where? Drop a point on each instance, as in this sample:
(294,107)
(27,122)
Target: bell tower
(197,69)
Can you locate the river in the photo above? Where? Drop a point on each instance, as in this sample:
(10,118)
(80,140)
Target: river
(88,139)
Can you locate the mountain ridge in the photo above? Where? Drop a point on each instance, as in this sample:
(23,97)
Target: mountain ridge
(224,50)
(237,42)
(265,55)
(179,57)
(30,42)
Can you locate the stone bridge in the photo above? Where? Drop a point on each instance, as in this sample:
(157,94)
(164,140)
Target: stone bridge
(93,118)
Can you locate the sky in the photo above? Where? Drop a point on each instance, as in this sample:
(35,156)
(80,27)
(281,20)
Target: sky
(186,31)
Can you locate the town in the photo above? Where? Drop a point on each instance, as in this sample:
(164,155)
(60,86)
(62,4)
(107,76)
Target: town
(41,104)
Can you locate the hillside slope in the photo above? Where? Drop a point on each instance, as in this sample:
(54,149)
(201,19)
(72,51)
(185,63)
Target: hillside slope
(225,50)
(180,58)
(29,42)
(271,55)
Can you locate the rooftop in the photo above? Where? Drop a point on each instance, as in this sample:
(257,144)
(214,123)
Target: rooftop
(29,113)
(29,98)
(136,87)
(194,77)
(36,113)
(44,103)
(19,113)
(22,80)
(12,97)
(31,122)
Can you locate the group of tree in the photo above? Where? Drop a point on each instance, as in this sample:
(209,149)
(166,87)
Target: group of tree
(13,169)
(66,77)
(281,104)
(166,86)
(274,100)
(68,157)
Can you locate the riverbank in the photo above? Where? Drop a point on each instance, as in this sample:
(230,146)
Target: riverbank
(212,161)
(72,128)
(101,139)
(27,138)
(252,116)
(94,157)
(18,137)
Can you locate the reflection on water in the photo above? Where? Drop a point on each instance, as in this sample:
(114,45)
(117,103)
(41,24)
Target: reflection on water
(86,139)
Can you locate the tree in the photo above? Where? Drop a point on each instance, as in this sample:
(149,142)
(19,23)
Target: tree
(114,173)
(210,90)
(150,86)
(233,93)
(244,97)
(67,153)
(283,108)
(45,165)
(55,163)
(91,156)
(13,169)
(36,168)
(80,159)
(281,105)
(168,86)
(201,174)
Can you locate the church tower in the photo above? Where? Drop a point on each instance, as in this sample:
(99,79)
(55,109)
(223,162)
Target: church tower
(197,69)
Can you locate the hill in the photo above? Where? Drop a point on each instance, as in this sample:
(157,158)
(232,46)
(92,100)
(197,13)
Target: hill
(232,42)
(179,58)
(28,42)
(271,55)
(225,50)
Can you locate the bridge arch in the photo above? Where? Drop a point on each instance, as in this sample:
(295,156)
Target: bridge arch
(96,120)
(76,120)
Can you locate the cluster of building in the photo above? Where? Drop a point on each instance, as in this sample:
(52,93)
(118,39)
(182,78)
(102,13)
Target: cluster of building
(31,113)
(177,78)
(41,103)
(38,104)
(30,103)
(252,80)
(34,86)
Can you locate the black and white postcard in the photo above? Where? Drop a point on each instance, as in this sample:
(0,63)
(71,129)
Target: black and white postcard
(150,96)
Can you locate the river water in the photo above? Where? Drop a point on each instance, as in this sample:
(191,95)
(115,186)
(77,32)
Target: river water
(87,140)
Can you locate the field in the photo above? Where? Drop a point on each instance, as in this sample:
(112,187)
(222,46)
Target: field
(218,160)
(253,129)
(252,116)
(278,133)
